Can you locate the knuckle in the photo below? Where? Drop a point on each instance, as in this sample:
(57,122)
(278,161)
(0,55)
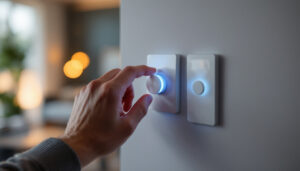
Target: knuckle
(92,85)
(129,69)
(108,89)
(144,66)
(98,82)
(105,87)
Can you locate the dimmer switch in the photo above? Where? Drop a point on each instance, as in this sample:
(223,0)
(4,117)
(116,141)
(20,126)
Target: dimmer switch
(156,84)
(164,85)
(202,89)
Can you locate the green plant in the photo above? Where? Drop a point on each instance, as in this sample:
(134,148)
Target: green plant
(9,105)
(12,55)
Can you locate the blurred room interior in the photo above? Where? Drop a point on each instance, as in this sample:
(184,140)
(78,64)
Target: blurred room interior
(49,49)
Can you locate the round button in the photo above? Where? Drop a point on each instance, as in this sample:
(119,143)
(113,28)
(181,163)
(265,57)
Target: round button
(156,84)
(198,87)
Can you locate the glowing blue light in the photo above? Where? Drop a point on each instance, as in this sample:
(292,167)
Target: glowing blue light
(163,84)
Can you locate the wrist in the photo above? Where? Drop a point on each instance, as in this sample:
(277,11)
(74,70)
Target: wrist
(82,149)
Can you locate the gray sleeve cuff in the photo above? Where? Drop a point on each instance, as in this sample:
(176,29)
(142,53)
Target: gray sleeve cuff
(53,154)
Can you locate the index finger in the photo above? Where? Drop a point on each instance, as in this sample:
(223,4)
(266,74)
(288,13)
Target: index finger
(125,77)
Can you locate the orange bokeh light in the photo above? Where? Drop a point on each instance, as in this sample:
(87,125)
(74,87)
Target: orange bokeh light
(73,69)
(30,93)
(82,57)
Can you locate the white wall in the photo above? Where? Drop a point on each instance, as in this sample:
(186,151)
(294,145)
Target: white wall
(260,66)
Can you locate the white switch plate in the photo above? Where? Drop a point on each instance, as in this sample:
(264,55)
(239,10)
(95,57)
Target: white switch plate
(202,108)
(169,67)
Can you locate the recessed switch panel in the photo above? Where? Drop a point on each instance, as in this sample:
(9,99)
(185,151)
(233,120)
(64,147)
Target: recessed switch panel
(202,89)
(164,84)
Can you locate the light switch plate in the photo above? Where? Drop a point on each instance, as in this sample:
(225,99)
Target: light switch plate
(202,89)
(169,67)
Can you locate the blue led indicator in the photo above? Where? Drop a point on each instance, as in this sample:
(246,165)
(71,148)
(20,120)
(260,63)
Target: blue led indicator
(163,84)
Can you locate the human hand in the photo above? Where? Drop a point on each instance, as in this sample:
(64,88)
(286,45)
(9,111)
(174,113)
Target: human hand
(99,123)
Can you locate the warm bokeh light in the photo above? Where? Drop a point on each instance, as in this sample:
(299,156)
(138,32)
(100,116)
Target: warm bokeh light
(6,81)
(30,94)
(82,57)
(73,69)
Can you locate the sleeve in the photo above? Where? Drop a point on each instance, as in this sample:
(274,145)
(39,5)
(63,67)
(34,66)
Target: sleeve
(52,154)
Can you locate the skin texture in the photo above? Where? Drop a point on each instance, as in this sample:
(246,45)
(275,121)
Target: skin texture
(103,116)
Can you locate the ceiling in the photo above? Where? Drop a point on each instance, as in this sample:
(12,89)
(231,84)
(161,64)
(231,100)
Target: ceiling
(92,4)
(83,5)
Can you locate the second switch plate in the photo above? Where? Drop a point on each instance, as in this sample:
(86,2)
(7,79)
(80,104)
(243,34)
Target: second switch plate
(169,67)
(202,89)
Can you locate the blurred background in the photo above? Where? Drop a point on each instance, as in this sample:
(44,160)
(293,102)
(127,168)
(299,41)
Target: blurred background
(49,49)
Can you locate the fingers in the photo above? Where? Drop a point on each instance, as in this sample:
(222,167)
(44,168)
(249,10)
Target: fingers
(138,111)
(109,75)
(124,78)
(95,84)
(127,98)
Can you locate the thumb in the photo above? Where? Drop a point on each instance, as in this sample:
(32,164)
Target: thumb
(139,109)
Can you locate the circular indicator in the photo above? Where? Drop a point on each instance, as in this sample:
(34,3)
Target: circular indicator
(198,87)
(156,84)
